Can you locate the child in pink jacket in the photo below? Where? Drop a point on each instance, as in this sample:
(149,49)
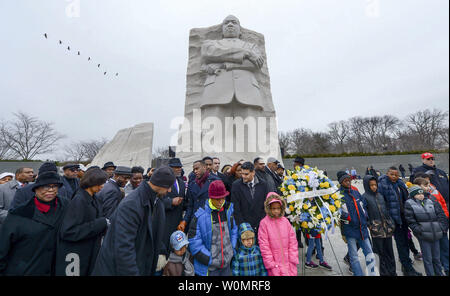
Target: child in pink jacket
(277,239)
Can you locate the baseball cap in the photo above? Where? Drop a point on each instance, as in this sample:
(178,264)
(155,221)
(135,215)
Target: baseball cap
(178,240)
(427,155)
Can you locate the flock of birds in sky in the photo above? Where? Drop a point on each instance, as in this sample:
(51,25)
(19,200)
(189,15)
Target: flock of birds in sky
(79,53)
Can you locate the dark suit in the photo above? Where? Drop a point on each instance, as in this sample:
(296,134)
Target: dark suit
(246,208)
(134,239)
(68,190)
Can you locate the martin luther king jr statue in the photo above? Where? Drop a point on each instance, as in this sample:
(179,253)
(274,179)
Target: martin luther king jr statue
(229,111)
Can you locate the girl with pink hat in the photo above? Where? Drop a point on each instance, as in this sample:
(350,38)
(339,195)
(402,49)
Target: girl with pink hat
(277,239)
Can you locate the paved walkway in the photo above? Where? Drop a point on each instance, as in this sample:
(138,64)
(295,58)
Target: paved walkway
(340,249)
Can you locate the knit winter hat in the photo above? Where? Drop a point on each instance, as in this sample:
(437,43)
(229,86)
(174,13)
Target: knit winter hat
(414,190)
(163,177)
(47,167)
(341,175)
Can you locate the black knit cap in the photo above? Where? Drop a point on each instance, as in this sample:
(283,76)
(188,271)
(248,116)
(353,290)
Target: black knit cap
(47,167)
(341,175)
(45,179)
(163,177)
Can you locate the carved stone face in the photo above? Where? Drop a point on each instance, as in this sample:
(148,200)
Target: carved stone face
(231,27)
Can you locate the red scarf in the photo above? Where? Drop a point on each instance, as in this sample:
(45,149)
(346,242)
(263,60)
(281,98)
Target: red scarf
(202,179)
(42,207)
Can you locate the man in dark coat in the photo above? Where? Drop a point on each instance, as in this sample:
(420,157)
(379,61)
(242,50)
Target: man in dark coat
(439,179)
(109,168)
(248,196)
(174,203)
(28,238)
(111,195)
(70,180)
(197,192)
(261,173)
(271,169)
(215,171)
(135,237)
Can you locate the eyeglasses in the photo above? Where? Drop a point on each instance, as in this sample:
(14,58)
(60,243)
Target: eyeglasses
(431,158)
(49,187)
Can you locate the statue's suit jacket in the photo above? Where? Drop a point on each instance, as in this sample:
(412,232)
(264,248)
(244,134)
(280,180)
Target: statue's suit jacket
(235,77)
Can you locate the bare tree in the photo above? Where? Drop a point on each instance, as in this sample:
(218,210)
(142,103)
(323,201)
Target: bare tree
(285,140)
(28,136)
(84,150)
(74,151)
(320,143)
(339,133)
(92,147)
(161,152)
(427,125)
(301,141)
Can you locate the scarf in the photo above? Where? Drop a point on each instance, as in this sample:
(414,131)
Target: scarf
(202,179)
(45,206)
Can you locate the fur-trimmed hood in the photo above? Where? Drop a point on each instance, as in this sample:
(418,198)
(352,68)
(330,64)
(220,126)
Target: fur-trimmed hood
(271,196)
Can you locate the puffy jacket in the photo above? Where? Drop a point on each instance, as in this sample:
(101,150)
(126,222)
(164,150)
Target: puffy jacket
(395,195)
(427,221)
(278,243)
(201,235)
(439,179)
(248,261)
(355,212)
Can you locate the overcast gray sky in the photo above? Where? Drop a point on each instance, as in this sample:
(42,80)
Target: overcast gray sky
(328,60)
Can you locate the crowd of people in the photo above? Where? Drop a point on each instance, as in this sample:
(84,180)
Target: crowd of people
(123,221)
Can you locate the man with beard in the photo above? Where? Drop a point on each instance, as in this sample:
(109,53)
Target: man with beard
(134,240)
(112,193)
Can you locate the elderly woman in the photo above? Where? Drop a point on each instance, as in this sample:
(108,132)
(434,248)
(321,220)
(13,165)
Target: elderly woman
(82,228)
(6,177)
(29,233)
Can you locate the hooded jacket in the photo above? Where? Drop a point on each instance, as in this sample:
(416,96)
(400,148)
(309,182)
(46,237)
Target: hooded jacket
(248,261)
(427,221)
(179,265)
(355,212)
(395,195)
(376,205)
(278,242)
(211,242)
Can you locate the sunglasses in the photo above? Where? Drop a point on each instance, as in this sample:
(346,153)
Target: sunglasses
(431,158)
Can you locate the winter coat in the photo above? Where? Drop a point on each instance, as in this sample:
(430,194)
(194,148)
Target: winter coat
(28,240)
(439,179)
(205,226)
(437,197)
(174,214)
(263,175)
(81,233)
(354,212)
(7,192)
(276,179)
(427,221)
(110,197)
(376,206)
(247,261)
(196,197)
(246,208)
(278,244)
(22,196)
(66,190)
(395,195)
(134,238)
(179,265)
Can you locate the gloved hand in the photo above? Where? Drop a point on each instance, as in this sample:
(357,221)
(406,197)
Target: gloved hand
(162,261)
(182,226)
